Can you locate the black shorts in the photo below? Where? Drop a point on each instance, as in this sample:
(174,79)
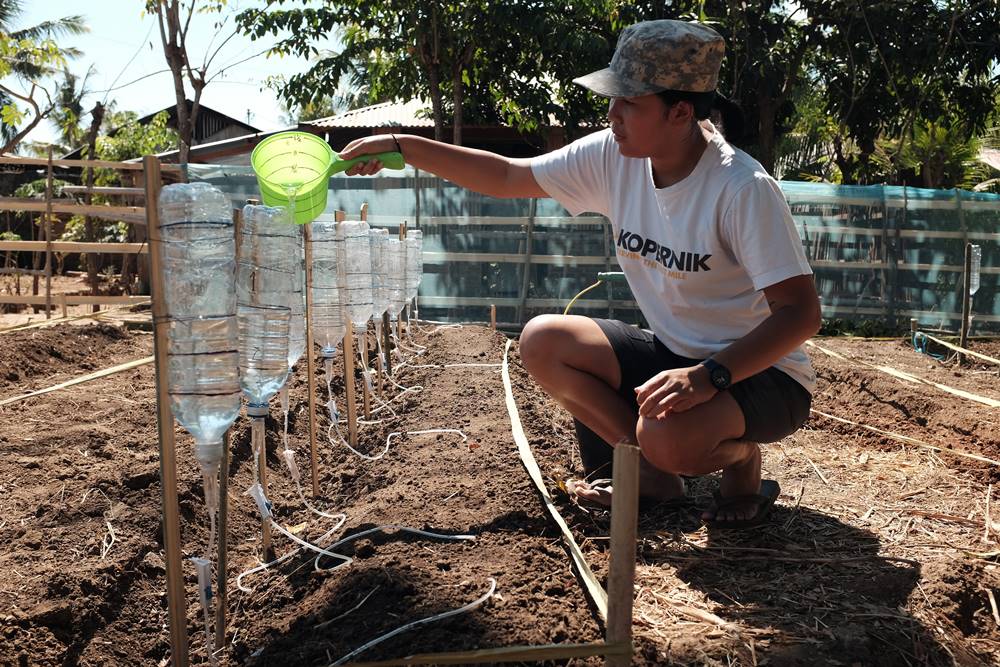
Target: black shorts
(773,404)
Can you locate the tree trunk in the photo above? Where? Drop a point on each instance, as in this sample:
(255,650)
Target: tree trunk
(93,259)
(457,95)
(434,79)
(170,28)
(766,112)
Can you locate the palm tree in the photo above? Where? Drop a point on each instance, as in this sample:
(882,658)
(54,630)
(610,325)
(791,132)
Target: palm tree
(21,64)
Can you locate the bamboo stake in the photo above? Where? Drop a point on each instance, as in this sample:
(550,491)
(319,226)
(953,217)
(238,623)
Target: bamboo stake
(165,423)
(378,360)
(366,397)
(222,580)
(259,447)
(352,408)
(48,239)
(79,380)
(621,570)
(493,316)
(311,363)
(387,342)
(491,656)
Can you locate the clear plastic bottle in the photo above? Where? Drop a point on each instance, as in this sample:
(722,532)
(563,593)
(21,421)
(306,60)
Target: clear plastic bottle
(329,317)
(414,261)
(395,252)
(357,264)
(379,238)
(265,285)
(976,256)
(199,261)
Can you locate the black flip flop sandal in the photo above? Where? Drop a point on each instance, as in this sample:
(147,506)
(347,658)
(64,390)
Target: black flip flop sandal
(769,492)
(645,503)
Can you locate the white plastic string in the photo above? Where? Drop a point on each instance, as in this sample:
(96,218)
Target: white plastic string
(423,621)
(402,529)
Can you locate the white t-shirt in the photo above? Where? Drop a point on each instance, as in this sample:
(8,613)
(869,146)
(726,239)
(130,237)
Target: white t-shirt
(697,254)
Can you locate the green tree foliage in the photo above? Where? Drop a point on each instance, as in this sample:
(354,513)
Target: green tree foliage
(28,55)
(831,89)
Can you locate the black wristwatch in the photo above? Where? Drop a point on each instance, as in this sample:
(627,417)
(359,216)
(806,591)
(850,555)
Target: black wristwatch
(719,374)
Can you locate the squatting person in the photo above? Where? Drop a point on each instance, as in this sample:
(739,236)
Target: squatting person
(707,244)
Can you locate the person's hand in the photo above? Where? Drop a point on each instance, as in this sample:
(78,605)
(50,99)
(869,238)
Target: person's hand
(674,390)
(382,143)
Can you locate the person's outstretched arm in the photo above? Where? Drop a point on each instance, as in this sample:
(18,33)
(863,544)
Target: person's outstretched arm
(481,171)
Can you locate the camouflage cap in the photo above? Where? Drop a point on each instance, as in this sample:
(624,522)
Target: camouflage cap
(654,56)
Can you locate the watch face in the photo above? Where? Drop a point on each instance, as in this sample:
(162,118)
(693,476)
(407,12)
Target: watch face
(720,377)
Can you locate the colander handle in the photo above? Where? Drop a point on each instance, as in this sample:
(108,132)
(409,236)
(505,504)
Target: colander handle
(390,160)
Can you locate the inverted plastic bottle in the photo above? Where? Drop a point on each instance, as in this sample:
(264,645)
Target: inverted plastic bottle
(357,262)
(414,243)
(395,252)
(199,261)
(379,238)
(329,315)
(265,287)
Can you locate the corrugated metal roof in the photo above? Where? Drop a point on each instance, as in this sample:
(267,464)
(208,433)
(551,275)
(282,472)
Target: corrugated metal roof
(386,114)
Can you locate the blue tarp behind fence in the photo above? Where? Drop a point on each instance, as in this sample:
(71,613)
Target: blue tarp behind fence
(878,252)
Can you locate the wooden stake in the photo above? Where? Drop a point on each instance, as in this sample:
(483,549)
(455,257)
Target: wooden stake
(62,304)
(311,362)
(258,444)
(222,580)
(352,408)
(48,239)
(165,422)
(966,302)
(378,360)
(366,396)
(621,570)
(493,317)
(387,342)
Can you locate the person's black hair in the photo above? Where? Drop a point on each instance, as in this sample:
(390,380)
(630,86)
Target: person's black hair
(730,114)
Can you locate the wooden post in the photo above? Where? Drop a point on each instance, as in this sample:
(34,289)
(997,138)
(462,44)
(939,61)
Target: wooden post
(165,423)
(913,326)
(387,342)
(621,569)
(259,448)
(222,580)
(493,316)
(311,361)
(366,397)
(48,239)
(62,304)
(378,360)
(966,302)
(352,408)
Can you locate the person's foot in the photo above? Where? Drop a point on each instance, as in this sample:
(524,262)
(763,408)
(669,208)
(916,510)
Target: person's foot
(654,485)
(742,479)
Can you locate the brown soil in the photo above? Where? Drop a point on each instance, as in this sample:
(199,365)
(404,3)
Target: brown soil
(880,564)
